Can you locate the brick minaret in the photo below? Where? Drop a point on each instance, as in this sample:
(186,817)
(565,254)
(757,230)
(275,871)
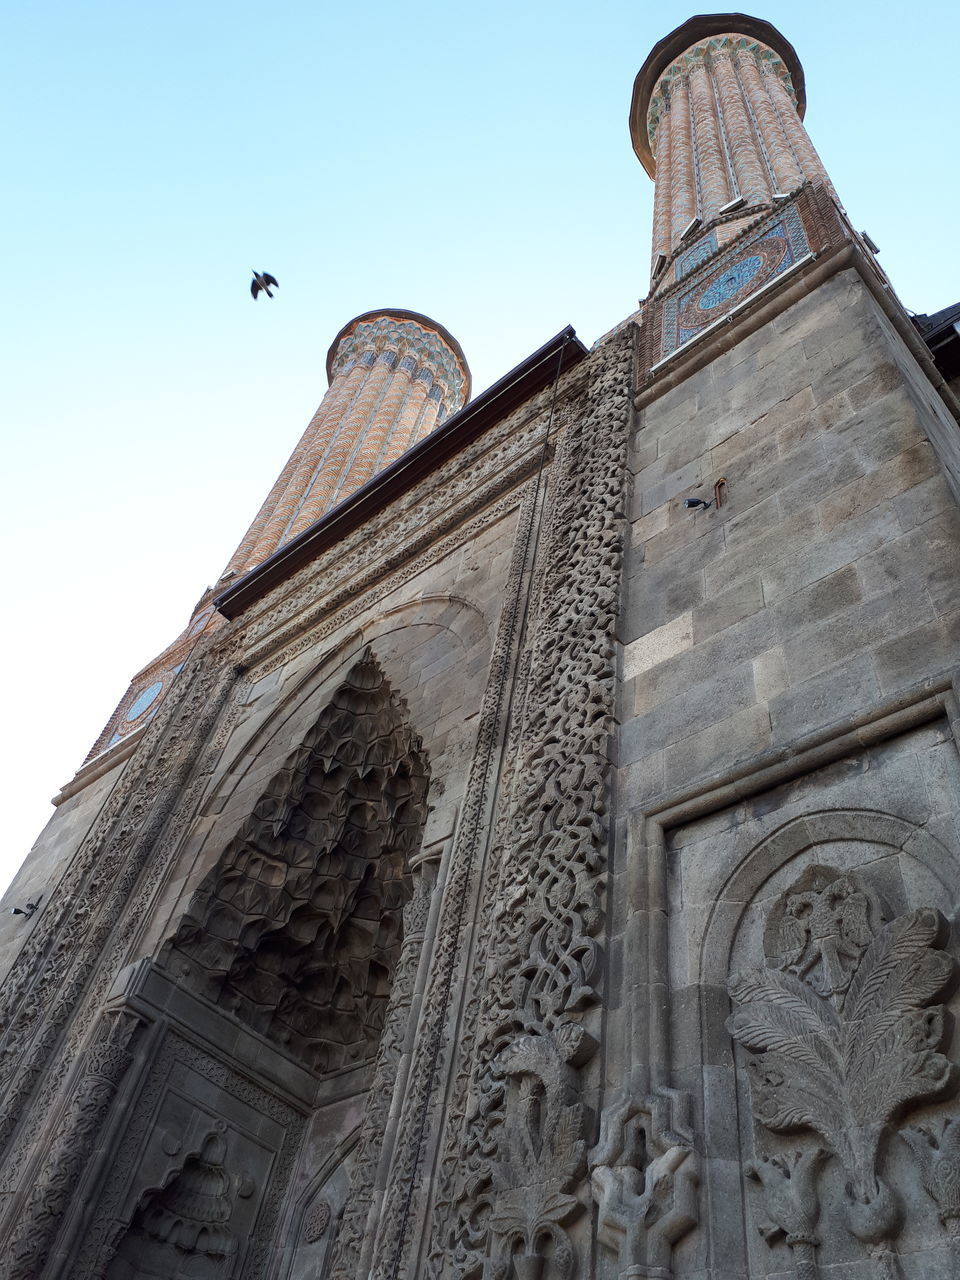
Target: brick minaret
(716,120)
(394,376)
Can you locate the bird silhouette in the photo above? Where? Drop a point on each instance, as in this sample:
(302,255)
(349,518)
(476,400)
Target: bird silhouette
(260,281)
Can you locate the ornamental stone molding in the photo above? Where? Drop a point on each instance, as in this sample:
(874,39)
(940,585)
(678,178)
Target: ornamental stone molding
(536,969)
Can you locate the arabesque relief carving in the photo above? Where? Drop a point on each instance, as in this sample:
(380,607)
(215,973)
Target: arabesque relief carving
(316,1221)
(182,1230)
(645,1176)
(106,1062)
(298,928)
(65,969)
(173,1150)
(537,964)
(529,1200)
(67,961)
(845,1036)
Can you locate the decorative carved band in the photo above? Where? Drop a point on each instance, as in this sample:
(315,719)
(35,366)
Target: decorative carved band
(106,1063)
(537,971)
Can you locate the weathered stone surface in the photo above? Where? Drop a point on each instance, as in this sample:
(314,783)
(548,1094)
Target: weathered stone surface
(548,880)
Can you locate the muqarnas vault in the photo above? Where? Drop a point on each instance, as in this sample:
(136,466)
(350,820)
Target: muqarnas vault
(538,856)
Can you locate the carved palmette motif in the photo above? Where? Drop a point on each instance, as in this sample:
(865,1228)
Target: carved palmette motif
(537,965)
(937,1148)
(297,929)
(791,1204)
(845,1035)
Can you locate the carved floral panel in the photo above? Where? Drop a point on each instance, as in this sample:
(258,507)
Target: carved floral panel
(846,1036)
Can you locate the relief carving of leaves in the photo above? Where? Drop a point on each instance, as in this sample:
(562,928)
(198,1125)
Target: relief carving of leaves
(847,1075)
(889,1044)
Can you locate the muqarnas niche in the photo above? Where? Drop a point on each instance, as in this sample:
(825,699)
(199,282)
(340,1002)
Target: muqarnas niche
(297,929)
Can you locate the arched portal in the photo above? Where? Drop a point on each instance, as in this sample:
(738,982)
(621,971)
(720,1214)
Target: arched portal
(298,927)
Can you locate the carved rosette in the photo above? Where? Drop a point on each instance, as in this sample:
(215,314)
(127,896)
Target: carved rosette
(537,969)
(316,1221)
(845,1038)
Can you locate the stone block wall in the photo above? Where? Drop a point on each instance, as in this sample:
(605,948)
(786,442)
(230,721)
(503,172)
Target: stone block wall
(823,584)
(788,800)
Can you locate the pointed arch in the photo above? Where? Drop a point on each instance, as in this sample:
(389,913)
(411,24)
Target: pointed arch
(298,927)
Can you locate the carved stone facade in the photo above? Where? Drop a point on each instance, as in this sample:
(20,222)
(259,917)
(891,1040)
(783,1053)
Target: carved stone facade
(545,865)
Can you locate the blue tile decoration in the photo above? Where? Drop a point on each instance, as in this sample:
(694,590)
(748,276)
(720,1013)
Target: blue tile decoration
(143,700)
(776,244)
(731,282)
(702,250)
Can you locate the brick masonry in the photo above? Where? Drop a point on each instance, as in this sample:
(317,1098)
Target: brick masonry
(632,778)
(724,137)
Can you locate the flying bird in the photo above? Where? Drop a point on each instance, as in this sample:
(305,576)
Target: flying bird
(260,281)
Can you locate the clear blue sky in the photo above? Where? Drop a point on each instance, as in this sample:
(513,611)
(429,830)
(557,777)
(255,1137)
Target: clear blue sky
(468,161)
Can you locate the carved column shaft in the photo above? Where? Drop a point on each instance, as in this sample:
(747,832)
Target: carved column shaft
(105,1064)
(680,175)
(356,1234)
(711,158)
(662,213)
(745,155)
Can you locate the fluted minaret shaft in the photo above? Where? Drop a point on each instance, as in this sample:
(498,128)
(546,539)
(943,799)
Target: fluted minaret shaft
(717,122)
(394,376)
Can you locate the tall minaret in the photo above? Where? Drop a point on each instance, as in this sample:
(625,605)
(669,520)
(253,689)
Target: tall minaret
(716,120)
(394,376)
